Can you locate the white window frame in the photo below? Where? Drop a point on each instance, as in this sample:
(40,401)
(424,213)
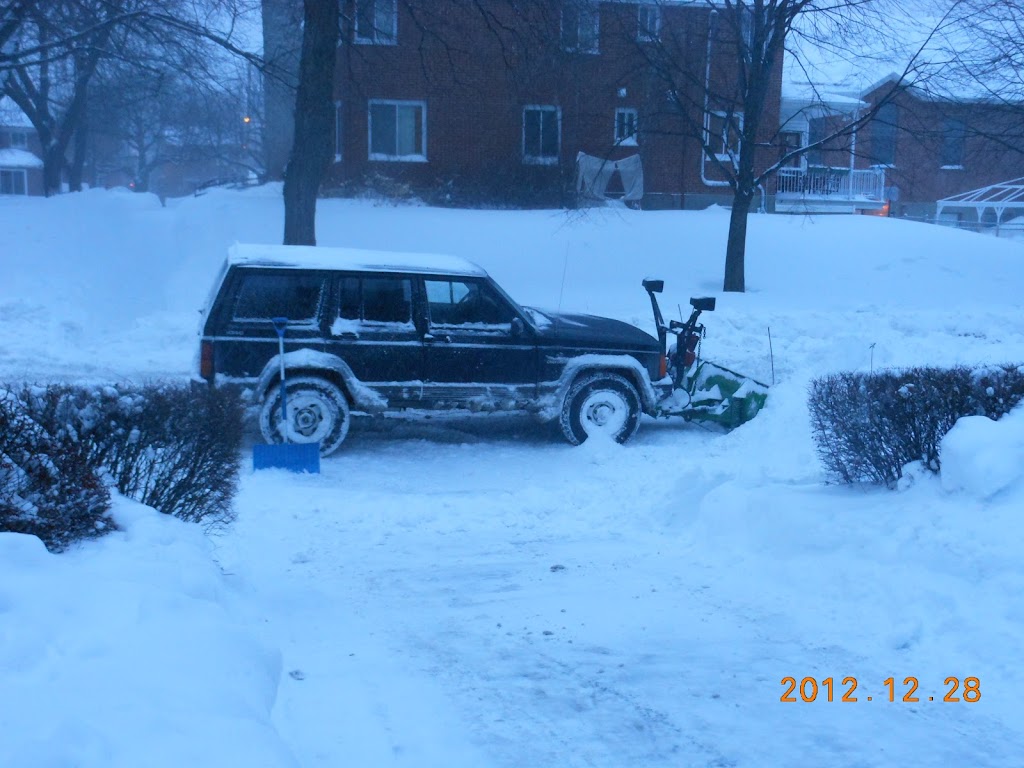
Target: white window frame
(377,36)
(415,157)
(631,139)
(645,15)
(24,181)
(722,141)
(543,160)
(589,11)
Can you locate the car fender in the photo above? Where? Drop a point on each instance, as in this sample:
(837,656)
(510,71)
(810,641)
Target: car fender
(310,361)
(551,405)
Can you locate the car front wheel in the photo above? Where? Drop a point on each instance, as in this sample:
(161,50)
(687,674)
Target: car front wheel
(318,412)
(600,404)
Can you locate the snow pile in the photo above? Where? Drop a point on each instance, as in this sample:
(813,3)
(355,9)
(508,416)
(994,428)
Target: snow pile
(124,653)
(983,457)
(475,592)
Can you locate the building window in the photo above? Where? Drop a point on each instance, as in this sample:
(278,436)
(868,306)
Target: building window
(541,139)
(816,133)
(337,131)
(722,133)
(648,22)
(377,22)
(788,142)
(954,137)
(883,135)
(19,140)
(581,26)
(13,181)
(625,127)
(398,130)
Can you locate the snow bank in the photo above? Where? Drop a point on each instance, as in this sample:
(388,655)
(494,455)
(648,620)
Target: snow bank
(123,653)
(983,457)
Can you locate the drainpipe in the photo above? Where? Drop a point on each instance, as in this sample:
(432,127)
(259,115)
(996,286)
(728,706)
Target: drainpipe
(707,103)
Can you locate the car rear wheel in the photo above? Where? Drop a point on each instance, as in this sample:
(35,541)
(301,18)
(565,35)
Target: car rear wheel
(317,412)
(600,404)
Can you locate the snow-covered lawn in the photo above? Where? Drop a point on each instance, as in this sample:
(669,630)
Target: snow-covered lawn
(477,593)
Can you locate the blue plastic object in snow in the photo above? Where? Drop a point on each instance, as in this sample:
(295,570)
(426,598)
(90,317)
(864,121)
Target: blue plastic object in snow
(295,457)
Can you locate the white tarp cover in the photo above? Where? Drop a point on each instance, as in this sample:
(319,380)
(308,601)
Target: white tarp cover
(594,173)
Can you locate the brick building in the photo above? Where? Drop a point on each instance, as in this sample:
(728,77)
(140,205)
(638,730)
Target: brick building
(936,147)
(493,101)
(918,149)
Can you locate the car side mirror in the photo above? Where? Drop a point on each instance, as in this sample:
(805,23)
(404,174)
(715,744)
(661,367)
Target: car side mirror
(516,329)
(704,303)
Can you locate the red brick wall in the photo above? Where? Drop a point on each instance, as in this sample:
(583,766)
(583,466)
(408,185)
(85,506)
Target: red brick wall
(989,157)
(476,74)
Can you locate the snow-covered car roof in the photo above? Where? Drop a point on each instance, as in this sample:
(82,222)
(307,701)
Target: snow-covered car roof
(349,259)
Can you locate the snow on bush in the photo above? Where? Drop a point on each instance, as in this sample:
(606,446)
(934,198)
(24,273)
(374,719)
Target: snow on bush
(982,456)
(126,652)
(869,426)
(164,445)
(49,486)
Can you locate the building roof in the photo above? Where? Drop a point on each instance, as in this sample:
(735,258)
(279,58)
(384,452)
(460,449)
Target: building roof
(18,158)
(11,115)
(349,259)
(938,56)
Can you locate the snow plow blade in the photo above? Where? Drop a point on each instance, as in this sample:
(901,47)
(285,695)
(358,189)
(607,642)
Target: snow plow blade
(719,395)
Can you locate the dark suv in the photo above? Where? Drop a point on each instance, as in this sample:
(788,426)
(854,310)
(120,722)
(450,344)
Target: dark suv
(374,331)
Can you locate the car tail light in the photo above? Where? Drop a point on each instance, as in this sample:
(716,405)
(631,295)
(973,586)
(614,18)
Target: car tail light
(691,350)
(206,360)
(662,367)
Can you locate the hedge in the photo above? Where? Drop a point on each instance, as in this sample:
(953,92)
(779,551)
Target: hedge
(868,426)
(165,445)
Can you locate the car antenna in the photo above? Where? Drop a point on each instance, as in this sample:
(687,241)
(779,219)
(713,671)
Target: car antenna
(565,268)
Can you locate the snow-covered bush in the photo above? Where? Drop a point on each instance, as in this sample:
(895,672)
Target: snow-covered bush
(870,426)
(49,487)
(167,446)
(176,449)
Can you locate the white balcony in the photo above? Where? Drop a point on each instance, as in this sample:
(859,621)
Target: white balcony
(818,189)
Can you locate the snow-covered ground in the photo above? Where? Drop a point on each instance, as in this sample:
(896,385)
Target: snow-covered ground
(477,593)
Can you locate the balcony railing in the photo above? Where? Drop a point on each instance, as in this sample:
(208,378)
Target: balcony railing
(831,183)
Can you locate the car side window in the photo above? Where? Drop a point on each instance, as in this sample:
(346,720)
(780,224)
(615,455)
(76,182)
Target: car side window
(264,296)
(376,300)
(467,303)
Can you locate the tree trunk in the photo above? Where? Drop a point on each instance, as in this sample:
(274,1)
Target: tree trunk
(282,38)
(53,168)
(736,248)
(314,118)
(75,171)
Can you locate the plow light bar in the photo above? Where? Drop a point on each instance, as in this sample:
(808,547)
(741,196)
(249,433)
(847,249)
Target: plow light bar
(703,303)
(654,286)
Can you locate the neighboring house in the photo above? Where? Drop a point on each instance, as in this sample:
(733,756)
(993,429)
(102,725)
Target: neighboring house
(933,148)
(494,101)
(828,179)
(21,169)
(917,150)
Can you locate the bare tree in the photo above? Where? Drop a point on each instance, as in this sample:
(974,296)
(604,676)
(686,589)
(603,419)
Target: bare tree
(728,104)
(282,38)
(51,84)
(314,119)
